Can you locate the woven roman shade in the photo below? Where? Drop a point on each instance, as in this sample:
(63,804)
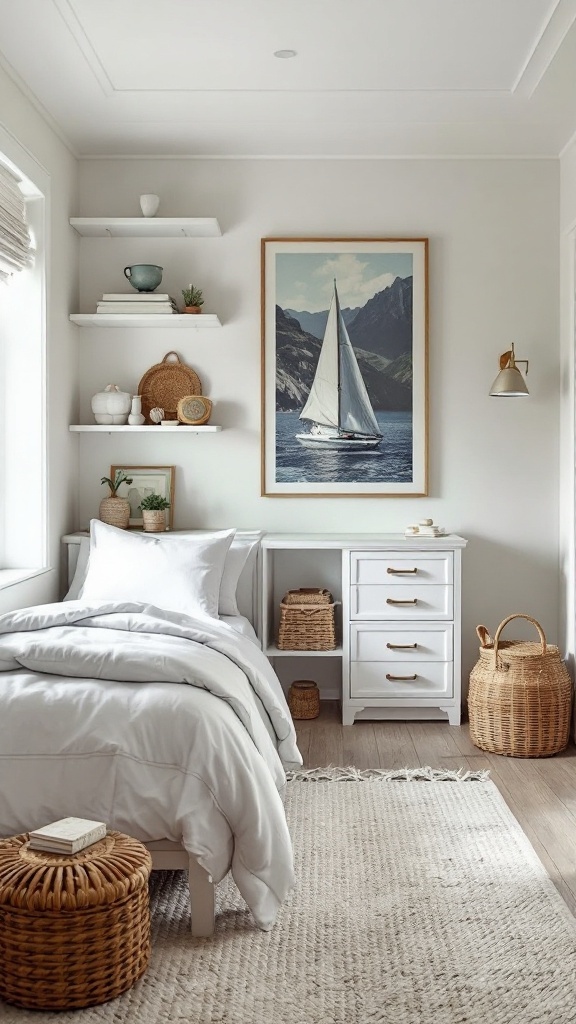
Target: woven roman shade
(15,244)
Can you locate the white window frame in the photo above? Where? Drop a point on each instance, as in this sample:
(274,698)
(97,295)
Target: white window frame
(23,390)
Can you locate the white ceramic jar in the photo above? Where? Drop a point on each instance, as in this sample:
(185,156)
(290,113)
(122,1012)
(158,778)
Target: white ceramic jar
(111,406)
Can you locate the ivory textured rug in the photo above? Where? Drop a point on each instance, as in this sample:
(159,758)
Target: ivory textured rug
(418,902)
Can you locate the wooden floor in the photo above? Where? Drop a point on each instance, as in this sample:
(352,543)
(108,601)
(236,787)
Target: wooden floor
(541,792)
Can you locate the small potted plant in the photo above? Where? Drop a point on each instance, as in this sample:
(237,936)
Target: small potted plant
(115,510)
(192,299)
(153,508)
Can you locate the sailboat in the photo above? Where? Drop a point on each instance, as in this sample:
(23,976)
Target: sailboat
(338,405)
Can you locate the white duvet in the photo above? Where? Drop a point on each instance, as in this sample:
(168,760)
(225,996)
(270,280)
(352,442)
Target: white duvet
(158,724)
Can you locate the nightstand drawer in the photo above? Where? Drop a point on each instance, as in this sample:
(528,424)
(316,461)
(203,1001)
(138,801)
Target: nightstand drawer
(371,641)
(402,568)
(401,601)
(373,679)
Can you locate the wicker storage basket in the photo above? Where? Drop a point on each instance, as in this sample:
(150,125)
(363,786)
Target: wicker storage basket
(304,699)
(520,696)
(74,930)
(307,621)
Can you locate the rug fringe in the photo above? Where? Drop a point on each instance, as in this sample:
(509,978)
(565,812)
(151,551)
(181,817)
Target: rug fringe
(351,774)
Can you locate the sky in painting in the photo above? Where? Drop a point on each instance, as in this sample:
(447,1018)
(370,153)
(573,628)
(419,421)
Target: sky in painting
(304,281)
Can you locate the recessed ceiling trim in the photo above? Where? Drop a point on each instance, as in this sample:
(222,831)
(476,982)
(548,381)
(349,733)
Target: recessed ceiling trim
(70,19)
(318,156)
(554,30)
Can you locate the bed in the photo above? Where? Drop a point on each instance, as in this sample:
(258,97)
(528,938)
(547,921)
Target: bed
(160,716)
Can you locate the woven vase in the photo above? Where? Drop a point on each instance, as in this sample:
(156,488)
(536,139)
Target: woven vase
(304,699)
(115,512)
(154,521)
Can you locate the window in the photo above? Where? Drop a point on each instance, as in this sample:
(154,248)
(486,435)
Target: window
(23,503)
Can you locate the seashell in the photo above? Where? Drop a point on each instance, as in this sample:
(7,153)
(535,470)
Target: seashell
(156,415)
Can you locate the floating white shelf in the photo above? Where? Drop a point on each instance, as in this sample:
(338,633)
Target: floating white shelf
(186,320)
(274,652)
(146,227)
(110,428)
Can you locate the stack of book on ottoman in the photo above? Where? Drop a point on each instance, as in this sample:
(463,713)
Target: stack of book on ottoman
(67,836)
(136,303)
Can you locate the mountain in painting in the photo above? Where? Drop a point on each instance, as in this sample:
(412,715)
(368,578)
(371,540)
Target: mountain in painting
(389,385)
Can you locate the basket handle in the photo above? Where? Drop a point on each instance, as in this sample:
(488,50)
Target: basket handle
(483,635)
(519,615)
(171,354)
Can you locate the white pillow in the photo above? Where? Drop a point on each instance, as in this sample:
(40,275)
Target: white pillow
(182,576)
(238,554)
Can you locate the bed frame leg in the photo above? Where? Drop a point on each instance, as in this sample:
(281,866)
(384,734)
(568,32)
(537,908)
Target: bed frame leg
(201,889)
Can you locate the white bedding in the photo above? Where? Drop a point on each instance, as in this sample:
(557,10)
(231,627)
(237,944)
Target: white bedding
(156,723)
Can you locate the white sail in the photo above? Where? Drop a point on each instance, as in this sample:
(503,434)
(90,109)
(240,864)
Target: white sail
(322,403)
(338,396)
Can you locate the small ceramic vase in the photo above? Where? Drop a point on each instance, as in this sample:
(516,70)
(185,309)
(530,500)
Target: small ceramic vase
(111,405)
(136,419)
(149,204)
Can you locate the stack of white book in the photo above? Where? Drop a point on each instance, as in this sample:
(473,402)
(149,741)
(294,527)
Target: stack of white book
(67,835)
(136,303)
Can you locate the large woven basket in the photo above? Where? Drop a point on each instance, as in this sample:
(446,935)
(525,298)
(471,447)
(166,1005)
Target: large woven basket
(304,699)
(74,930)
(520,696)
(307,621)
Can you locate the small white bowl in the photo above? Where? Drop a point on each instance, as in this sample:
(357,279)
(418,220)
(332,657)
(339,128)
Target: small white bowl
(170,423)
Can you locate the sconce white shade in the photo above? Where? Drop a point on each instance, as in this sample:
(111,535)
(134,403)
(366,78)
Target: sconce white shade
(509,383)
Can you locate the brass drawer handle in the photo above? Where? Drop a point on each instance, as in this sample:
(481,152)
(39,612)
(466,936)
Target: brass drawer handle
(398,572)
(402,647)
(409,679)
(392,600)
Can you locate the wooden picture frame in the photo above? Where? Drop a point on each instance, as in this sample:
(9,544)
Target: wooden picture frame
(344,367)
(146,480)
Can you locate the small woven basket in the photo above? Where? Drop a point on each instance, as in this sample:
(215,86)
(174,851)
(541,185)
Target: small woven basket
(115,512)
(304,699)
(154,520)
(520,696)
(74,930)
(307,621)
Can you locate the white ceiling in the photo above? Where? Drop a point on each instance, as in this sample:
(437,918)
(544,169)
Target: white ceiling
(371,77)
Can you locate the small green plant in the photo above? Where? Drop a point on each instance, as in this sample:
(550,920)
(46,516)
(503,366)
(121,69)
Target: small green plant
(153,503)
(120,478)
(192,296)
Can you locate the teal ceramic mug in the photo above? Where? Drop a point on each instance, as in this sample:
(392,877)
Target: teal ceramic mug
(144,277)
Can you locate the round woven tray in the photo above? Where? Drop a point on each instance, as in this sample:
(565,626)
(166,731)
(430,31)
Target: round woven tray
(520,696)
(165,383)
(74,930)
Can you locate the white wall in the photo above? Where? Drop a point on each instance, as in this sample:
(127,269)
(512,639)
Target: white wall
(494,465)
(567,334)
(27,127)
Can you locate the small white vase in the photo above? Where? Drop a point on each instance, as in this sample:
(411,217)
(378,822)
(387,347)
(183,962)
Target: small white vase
(136,419)
(111,405)
(149,204)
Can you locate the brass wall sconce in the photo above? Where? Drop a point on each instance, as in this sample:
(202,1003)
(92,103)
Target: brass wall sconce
(510,383)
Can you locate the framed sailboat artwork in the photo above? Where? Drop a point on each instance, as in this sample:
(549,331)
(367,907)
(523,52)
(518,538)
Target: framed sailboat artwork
(344,367)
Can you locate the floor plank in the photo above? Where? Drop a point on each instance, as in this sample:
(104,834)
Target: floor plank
(541,792)
(394,745)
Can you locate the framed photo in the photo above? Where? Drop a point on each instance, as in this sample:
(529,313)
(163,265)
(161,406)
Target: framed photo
(344,367)
(146,480)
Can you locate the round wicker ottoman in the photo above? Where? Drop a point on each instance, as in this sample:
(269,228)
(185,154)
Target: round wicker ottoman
(74,929)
